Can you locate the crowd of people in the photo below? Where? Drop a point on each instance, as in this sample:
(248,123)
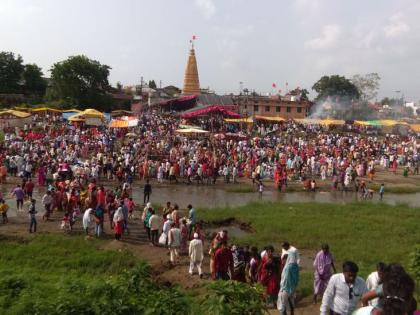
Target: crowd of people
(73,163)
(51,149)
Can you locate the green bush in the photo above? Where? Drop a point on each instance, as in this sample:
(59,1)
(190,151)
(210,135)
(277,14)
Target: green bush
(54,274)
(415,267)
(233,298)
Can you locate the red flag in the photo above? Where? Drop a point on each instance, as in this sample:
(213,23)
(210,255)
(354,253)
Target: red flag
(274,85)
(194,37)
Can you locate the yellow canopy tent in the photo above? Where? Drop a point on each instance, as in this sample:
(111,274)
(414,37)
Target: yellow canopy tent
(247,120)
(415,127)
(92,113)
(15,113)
(76,118)
(22,109)
(269,118)
(191,130)
(87,113)
(361,123)
(390,122)
(308,121)
(46,109)
(329,122)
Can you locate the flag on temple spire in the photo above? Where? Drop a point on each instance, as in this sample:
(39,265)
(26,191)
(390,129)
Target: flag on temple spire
(274,85)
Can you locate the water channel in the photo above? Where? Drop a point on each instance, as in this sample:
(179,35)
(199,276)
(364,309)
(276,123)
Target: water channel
(214,197)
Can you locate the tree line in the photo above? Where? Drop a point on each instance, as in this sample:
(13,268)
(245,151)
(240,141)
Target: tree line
(82,82)
(75,82)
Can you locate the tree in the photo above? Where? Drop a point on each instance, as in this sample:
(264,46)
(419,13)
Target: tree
(11,70)
(302,92)
(81,80)
(367,85)
(152,84)
(35,84)
(119,86)
(336,86)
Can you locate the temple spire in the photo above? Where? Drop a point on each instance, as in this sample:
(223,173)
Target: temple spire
(191,81)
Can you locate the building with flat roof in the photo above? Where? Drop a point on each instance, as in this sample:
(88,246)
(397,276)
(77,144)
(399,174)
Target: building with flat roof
(288,106)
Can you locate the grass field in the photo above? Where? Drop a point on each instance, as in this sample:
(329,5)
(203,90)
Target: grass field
(362,232)
(56,274)
(68,275)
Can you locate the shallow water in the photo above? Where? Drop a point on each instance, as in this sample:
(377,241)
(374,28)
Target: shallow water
(214,196)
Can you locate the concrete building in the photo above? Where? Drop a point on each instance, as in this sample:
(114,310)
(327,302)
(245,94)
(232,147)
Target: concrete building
(287,107)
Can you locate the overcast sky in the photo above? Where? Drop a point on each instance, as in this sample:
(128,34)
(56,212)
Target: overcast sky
(258,42)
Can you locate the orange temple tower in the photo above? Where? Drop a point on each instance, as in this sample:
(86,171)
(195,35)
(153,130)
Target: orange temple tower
(191,81)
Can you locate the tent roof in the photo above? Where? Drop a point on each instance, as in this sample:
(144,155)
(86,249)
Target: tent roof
(46,109)
(204,110)
(269,118)
(191,130)
(248,120)
(415,127)
(92,113)
(15,113)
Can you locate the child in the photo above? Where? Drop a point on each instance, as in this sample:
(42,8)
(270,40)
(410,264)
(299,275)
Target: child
(381,191)
(32,216)
(130,206)
(260,188)
(65,222)
(3,210)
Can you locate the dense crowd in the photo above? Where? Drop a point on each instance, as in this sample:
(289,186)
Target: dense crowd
(56,150)
(73,163)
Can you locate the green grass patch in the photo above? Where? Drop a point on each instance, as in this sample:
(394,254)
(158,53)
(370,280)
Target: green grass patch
(55,274)
(396,189)
(363,232)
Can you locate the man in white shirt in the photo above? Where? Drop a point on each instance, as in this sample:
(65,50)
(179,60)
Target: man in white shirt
(374,279)
(287,247)
(196,255)
(154,223)
(47,201)
(344,291)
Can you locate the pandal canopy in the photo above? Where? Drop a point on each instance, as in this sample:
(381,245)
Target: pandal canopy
(415,127)
(269,118)
(247,120)
(191,130)
(46,109)
(87,113)
(16,113)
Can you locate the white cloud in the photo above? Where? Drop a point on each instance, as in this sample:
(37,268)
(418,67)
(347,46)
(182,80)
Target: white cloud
(207,7)
(397,26)
(330,35)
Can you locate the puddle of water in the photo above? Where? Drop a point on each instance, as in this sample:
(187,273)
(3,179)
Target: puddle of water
(214,197)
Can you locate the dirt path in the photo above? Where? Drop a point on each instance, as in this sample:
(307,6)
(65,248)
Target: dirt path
(157,257)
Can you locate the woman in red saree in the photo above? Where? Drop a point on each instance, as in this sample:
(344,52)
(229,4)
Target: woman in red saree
(269,275)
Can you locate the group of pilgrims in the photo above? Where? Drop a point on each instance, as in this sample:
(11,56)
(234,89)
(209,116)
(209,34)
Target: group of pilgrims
(73,163)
